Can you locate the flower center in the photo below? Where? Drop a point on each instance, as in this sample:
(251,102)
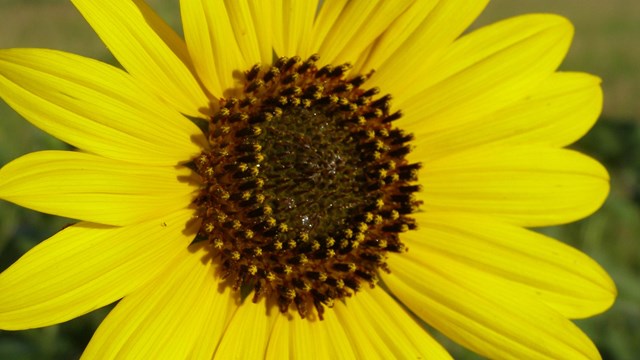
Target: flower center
(306,185)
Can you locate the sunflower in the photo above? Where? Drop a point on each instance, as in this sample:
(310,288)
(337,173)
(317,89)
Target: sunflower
(309,179)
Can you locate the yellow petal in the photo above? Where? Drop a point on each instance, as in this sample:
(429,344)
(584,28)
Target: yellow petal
(407,50)
(292,22)
(502,325)
(247,335)
(172,317)
(326,18)
(509,258)
(89,187)
(261,12)
(295,338)
(389,326)
(528,186)
(485,71)
(344,38)
(87,266)
(148,49)
(212,44)
(244,30)
(95,107)
(556,113)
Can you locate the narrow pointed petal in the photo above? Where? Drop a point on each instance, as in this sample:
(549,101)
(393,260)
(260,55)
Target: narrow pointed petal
(416,39)
(211,41)
(485,71)
(95,107)
(294,21)
(91,188)
(494,325)
(148,49)
(527,186)
(509,258)
(557,113)
(171,316)
(388,325)
(87,266)
(345,37)
(295,338)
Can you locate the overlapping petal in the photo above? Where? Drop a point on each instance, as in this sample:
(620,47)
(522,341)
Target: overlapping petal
(526,185)
(82,268)
(509,258)
(344,30)
(415,40)
(247,335)
(92,188)
(483,72)
(503,325)
(178,315)
(148,49)
(291,22)
(261,12)
(295,338)
(380,328)
(556,113)
(95,107)
(245,32)
(212,44)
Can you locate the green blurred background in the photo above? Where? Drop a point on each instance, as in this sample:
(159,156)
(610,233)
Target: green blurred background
(607,43)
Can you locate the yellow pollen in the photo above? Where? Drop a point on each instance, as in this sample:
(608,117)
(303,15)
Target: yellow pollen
(290,293)
(270,276)
(253,269)
(330,242)
(315,245)
(379,203)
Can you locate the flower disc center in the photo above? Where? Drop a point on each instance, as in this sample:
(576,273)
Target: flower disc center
(313,174)
(306,185)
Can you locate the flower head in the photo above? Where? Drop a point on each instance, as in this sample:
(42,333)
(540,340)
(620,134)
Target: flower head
(299,179)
